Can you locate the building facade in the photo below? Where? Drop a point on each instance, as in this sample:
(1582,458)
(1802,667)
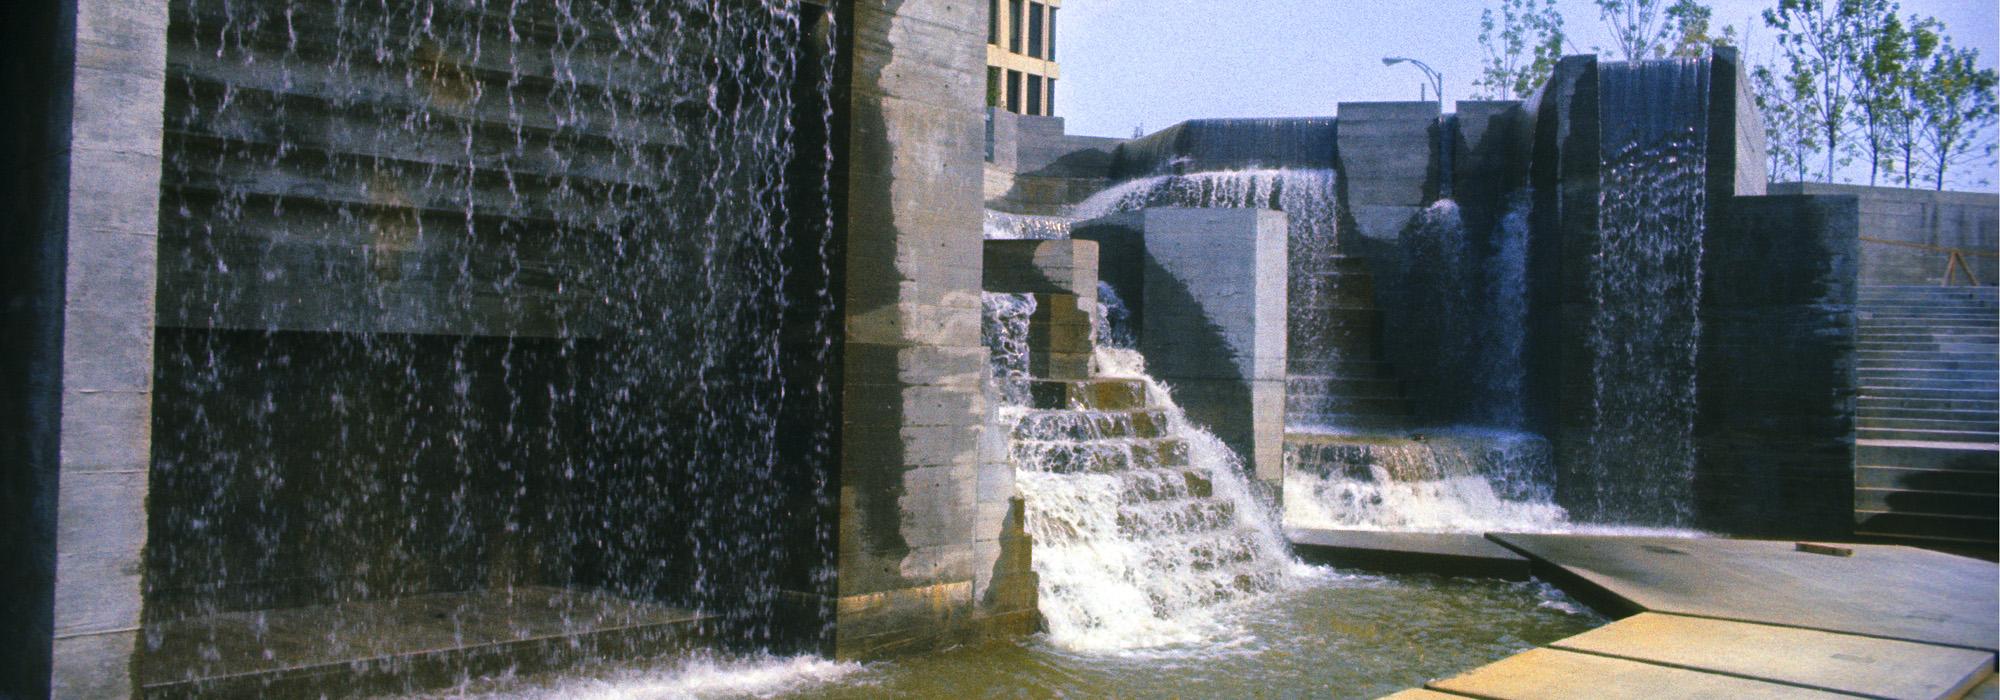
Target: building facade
(1021,69)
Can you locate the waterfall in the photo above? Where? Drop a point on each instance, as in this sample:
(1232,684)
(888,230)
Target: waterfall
(1458,481)
(1002,226)
(1502,360)
(1114,319)
(1145,528)
(471,297)
(1645,285)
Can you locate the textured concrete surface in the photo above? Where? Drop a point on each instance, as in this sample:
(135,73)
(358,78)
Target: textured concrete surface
(1964,220)
(108,318)
(1845,663)
(1549,673)
(1451,554)
(923,538)
(1882,591)
(1776,375)
(414,641)
(1215,293)
(1387,155)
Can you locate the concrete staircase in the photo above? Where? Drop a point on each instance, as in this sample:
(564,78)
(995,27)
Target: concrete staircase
(1927,426)
(1335,374)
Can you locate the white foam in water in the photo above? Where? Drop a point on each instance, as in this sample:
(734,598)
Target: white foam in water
(1165,577)
(703,676)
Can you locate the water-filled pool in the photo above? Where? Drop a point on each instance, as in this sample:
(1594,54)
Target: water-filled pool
(1330,636)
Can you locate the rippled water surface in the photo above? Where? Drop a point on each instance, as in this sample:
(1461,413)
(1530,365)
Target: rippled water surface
(1334,636)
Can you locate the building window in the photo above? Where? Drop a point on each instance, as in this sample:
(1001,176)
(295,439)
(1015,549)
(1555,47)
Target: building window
(1051,104)
(1052,39)
(1014,91)
(992,86)
(993,22)
(1035,30)
(1035,95)
(1014,26)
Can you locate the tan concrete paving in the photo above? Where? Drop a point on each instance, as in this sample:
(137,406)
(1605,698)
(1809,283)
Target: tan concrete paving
(1882,590)
(1550,674)
(1421,694)
(1882,668)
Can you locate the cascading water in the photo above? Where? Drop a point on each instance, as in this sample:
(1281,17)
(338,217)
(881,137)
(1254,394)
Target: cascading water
(1114,319)
(1645,284)
(1145,528)
(1458,481)
(1002,226)
(1502,361)
(493,304)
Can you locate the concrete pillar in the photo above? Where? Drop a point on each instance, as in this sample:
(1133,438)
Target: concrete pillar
(921,534)
(107,362)
(1215,323)
(1387,155)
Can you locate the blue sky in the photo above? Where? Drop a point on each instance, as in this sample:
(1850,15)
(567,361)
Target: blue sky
(1154,63)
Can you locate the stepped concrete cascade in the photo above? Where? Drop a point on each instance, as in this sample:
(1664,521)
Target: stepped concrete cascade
(1336,378)
(1927,428)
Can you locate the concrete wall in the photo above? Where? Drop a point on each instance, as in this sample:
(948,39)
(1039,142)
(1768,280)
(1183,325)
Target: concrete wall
(1215,324)
(1964,220)
(1202,145)
(1777,368)
(920,545)
(91,229)
(1387,162)
(1037,168)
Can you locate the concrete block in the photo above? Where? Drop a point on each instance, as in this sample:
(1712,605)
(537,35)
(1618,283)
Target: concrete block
(1450,554)
(106,431)
(1549,673)
(1865,666)
(94,665)
(1215,322)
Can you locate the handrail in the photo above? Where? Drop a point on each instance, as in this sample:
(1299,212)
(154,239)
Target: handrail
(1933,248)
(1954,257)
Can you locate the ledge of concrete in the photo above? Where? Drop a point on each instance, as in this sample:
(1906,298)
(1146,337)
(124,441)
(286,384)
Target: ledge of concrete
(1449,554)
(1882,591)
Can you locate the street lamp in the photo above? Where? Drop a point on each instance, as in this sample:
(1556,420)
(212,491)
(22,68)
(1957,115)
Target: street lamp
(1437,79)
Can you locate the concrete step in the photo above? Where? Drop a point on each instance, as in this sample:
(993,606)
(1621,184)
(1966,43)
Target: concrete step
(1101,457)
(1350,421)
(1921,372)
(1329,403)
(1186,515)
(1342,368)
(1922,435)
(1359,388)
(1943,394)
(1871,385)
(1987,345)
(1889,403)
(1931,337)
(1092,394)
(1978,505)
(1949,480)
(1886,423)
(1875,523)
(1924,357)
(1077,425)
(1867,411)
(1935,361)
(1907,454)
(1152,485)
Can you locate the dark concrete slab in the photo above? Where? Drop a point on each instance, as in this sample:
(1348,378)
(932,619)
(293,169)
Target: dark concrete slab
(1551,673)
(1452,554)
(1869,666)
(1881,591)
(402,644)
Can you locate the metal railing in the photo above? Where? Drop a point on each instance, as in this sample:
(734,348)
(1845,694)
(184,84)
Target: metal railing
(1954,257)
